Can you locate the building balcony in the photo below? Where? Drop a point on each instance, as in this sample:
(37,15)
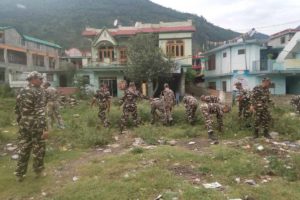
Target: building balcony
(263,66)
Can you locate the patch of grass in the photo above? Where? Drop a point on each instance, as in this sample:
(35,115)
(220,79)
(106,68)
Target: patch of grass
(137,150)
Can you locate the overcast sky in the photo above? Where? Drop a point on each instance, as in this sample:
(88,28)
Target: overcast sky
(267,16)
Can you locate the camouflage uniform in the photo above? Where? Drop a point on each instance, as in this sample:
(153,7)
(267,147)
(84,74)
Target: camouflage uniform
(31,110)
(191,105)
(103,99)
(295,102)
(210,99)
(243,97)
(260,100)
(129,107)
(157,104)
(208,109)
(53,108)
(169,100)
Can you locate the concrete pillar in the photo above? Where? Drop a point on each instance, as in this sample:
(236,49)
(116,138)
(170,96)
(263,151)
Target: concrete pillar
(5,56)
(29,59)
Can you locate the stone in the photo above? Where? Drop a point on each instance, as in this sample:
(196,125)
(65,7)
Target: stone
(213,185)
(15,157)
(192,142)
(172,142)
(274,135)
(107,151)
(75,178)
(250,182)
(260,148)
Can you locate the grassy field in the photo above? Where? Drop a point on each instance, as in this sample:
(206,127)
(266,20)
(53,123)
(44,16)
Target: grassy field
(86,161)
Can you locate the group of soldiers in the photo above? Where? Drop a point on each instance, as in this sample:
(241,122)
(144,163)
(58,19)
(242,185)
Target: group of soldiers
(36,101)
(161,108)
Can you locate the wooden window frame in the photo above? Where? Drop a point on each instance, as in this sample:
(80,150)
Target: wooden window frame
(175,48)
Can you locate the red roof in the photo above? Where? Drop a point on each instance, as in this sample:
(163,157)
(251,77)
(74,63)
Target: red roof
(116,32)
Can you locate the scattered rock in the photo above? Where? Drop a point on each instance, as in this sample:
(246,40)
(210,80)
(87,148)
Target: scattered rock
(250,182)
(293,114)
(191,143)
(11,148)
(150,147)
(237,180)
(115,146)
(158,197)
(213,185)
(116,138)
(274,135)
(44,194)
(260,148)
(107,151)
(76,115)
(246,147)
(3,154)
(5,131)
(172,142)
(75,178)
(15,157)
(138,142)
(126,175)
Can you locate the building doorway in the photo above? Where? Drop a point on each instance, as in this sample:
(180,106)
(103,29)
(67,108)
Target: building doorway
(111,84)
(63,81)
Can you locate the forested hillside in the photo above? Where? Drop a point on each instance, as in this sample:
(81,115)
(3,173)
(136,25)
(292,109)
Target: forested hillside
(61,21)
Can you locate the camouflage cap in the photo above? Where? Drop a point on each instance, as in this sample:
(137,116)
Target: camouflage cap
(166,85)
(131,84)
(266,79)
(238,83)
(34,74)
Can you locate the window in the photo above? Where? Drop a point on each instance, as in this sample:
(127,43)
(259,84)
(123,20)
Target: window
(38,60)
(224,54)
(1,37)
(175,48)
(241,51)
(106,52)
(2,76)
(123,56)
(86,79)
(212,85)
(1,55)
(224,86)
(282,40)
(50,77)
(51,63)
(211,62)
(16,57)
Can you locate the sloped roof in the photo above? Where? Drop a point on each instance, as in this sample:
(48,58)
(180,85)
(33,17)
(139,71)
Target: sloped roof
(44,42)
(133,31)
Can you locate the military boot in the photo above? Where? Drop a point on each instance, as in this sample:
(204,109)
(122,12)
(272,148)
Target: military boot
(255,135)
(213,137)
(267,135)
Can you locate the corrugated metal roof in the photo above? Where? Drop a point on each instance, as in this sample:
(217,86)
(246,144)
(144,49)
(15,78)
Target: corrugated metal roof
(32,39)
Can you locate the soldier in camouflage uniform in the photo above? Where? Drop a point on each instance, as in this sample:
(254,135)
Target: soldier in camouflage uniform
(157,109)
(53,107)
(31,114)
(260,101)
(169,100)
(102,97)
(295,102)
(243,97)
(129,102)
(191,105)
(210,99)
(207,109)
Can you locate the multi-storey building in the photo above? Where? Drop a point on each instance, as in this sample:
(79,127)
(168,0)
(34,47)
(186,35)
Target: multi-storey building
(248,61)
(109,46)
(21,53)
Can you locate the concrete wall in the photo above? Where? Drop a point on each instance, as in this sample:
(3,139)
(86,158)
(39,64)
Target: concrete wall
(276,42)
(234,61)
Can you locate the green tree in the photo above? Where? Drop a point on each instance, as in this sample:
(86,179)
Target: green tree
(146,61)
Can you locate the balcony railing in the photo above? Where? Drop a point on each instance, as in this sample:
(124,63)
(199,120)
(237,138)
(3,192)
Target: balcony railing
(264,65)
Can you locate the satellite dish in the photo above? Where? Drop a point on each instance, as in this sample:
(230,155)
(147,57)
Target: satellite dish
(116,22)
